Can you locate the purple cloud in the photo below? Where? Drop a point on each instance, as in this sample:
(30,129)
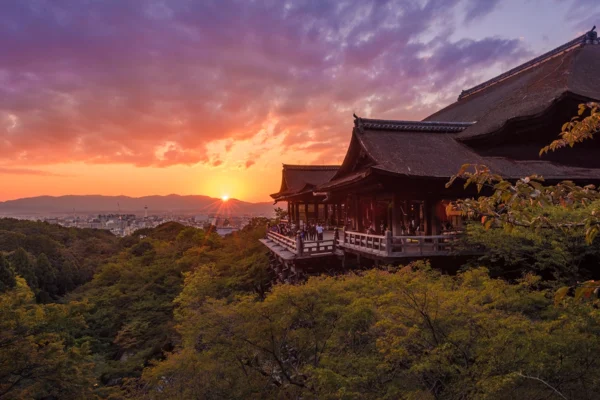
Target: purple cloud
(478,9)
(151,83)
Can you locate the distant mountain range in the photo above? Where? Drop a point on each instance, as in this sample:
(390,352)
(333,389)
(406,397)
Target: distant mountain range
(95,204)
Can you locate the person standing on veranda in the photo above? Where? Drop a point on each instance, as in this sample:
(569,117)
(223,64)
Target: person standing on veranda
(319,232)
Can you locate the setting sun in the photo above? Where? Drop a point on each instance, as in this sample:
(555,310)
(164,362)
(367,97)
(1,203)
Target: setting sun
(225,197)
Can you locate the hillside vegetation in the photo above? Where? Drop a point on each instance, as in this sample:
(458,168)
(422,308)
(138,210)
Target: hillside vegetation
(185,314)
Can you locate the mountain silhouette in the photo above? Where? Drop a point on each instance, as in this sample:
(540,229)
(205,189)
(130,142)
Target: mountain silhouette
(94,204)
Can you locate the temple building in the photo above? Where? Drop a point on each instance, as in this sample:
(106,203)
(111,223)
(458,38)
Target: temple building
(298,183)
(392,181)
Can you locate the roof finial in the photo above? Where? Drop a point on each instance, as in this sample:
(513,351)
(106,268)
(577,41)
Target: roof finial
(591,37)
(357,119)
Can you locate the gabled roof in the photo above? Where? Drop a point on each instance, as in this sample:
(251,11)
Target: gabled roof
(425,150)
(415,148)
(529,89)
(298,179)
(409,148)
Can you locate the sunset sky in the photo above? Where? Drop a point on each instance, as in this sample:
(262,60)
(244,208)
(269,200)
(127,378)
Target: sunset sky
(210,97)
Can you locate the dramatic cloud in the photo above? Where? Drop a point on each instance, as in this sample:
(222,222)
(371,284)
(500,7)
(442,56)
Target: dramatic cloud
(152,83)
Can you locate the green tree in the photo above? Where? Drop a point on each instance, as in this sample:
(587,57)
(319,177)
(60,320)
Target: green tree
(40,358)
(46,277)
(24,267)
(7,275)
(414,334)
(555,254)
(280,213)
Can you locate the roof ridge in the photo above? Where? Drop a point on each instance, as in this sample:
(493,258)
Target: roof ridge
(590,37)
(311,167)
(402,125)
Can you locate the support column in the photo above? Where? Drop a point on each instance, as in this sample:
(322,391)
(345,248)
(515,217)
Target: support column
(326,207)
(428,217)
(356,220)
(297,213)
(334,214)
(435,221)
(360,215)
(289,211)
(396,216)
(306,213)
(371,220)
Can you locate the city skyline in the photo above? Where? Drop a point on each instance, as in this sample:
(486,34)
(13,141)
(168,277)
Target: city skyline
(142,98)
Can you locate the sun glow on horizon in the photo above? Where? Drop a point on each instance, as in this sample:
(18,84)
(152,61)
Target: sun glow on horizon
(225,197)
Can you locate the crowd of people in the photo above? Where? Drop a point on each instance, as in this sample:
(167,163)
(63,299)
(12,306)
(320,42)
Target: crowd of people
(314,231)
(308,231)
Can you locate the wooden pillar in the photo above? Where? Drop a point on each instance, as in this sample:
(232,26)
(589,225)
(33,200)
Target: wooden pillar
(297,214)
(371,220)
(397,216)
(356,217)
(299,245)
(389,243)
(334,214)
(360,213)
(326,206)
(306,213)
(427,216)
(435,221)
(289,211)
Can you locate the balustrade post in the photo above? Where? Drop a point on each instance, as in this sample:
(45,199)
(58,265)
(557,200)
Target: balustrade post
(344,233)
(299,245)
(336,237)
(389,242)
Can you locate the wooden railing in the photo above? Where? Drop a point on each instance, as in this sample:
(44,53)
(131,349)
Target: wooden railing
(397,246)
(364,241)
(303,248)
(284,241)
(318,247)
(419,245)
(379,245)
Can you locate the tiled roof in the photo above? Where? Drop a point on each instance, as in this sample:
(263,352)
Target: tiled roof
(570,70)
(297,179)
(590,37)
(411,126)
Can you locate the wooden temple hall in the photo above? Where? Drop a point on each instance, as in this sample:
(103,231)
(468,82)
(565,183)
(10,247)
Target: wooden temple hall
(389,194)
(298,183)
